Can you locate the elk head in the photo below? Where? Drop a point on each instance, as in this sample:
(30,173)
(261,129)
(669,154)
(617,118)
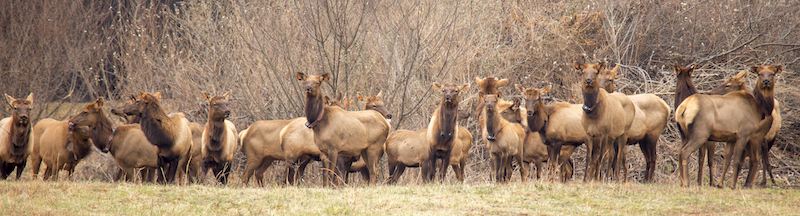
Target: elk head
(376,103)
(766,76)
(590,74)
(311,84)
(607,77)
(21,109)
(734,83)
(218,106)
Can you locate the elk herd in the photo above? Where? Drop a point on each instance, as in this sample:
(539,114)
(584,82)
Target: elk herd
(158,146)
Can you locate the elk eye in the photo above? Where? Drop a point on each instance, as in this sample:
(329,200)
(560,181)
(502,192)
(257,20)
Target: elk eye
(727,86)
(373,106)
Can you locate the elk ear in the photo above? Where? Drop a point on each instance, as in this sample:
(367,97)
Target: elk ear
(520,89)
(677,69)
(502,82)
(754,69)
(517,102)
(436,86)
(578,66)
(324,77)
(227,95)
(478,81)
(301,76)
(142,94)
(614,72)
(9,99)
(742,74)
(602,66)
(351,102)
(99,102)
(778,70)
(157,95)
(133,97)
(326,100)
(380,94)
(360,97)
(547,89)
(464,86)
(30,96)
(691,69)
(205,95)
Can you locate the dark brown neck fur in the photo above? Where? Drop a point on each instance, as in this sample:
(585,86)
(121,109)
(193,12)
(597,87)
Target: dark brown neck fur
(102,130)
(314,106)
(683,89)
(156,126)
(765,99)
(19,135)
(591,99)
(216,129)
(448,115)
(537,121)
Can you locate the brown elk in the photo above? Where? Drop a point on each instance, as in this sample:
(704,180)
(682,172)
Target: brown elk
(559,125)
(504,140)
(220,139)
(406,148)
(15,138)
(650,120)
(119,111)
(52,144)
(261,145)
(737,83)
(370,103)
(442,131)
(131,150)
(703,118)
(194,167)
(339,132)
(170,133)
(683,89)
(606,119)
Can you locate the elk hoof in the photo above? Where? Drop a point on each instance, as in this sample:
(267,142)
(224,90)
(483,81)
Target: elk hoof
(490,137)
(587,109)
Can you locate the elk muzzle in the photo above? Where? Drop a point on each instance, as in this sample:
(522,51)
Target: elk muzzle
(588,81)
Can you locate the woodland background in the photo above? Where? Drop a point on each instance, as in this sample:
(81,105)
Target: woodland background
(111,49)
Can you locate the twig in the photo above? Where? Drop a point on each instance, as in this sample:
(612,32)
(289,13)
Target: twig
(729,51)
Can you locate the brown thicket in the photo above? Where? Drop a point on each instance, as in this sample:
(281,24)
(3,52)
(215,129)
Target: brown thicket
(90,49)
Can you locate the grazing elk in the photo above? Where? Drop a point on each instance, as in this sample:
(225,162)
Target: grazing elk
(683,89)
(170,133)
(406,148)
(559,125)
(15,138)
(606,120)
(650,120)
(442,131)
(220,139)
(52,144)
(504,140)
(339,132)
(703,118)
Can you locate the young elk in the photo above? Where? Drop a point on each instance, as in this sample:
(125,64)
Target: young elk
(15,139)
(606,119)
(703,118)
(652,114)
(442,131)
(220,139)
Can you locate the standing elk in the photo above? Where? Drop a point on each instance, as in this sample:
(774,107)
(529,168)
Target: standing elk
(559,125)
(220,139)
(504,140)
(406,148)
(15,139)
(607,118)
(652,114)
(339,132)
(53,146)
(683,89)
(261,145)
(703,118)
(442,131)
(170,133)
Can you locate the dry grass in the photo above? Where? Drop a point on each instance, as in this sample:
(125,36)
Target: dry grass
(36,197)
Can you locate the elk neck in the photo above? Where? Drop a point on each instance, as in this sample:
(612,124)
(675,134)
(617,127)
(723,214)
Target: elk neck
(19,135)
(538,121)
(102,130)
(764,97)
(315,109)
(592,100)
(448,117)
(683,89)
(156,127)
(216,128)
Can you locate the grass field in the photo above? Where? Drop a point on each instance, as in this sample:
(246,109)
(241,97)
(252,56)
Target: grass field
(68,198)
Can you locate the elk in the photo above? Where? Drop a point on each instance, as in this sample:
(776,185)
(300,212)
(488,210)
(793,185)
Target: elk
(442,131)
(194,163)
(406,148)
(503,139)
(170,133)
(53,144)
(606,119)
(261,145)
(15,138)
(650,120)
(131,150)
(559,126)
(703,118)
(220,139)
(737,83)
(683,89)
(339,132)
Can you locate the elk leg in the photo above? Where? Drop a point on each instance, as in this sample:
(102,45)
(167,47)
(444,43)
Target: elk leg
(765,162)
(738,149)
(524,168)
(5,170)
(459,171)
(397,173)
(443,166)
(37,163)
(648,147)
(701,157)
(249,169)
(392,167)
(261,168)
(553,153)
(710,149)
(689,144)
(753,149)
(21,167)
(48,172)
